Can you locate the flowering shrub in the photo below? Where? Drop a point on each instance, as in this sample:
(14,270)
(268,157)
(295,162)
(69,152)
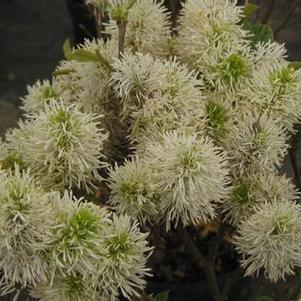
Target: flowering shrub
(183,129)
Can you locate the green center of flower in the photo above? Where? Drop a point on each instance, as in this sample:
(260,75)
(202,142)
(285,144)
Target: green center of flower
(132,189)
(47,92)
(187,160)
(68,126)
(11,160)
(232,69)
(240,194)
(282,225)
(283,78)
(82,225)
(216,115)
(61,116)
(75,286)
(119,245)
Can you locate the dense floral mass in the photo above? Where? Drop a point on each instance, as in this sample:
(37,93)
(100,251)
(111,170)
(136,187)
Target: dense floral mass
(181,127)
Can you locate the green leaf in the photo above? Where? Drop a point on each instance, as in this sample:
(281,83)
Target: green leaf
(104,62)
(260,32)
(67,48)
(62,72)
(83,55)
(295,65)
(79,55)
(249,9)
(163,296)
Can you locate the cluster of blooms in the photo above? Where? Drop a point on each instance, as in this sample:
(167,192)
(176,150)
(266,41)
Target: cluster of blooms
(63,248)
(206,116)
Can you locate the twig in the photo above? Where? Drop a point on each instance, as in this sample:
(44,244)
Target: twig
(294,162)
(231,281)
(215,243)
(98,19)
(203,263)
(287,17)
(268,12)
(194,251)
(121,39)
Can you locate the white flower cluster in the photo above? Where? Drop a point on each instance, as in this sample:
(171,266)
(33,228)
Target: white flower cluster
(204,117)
(63,248)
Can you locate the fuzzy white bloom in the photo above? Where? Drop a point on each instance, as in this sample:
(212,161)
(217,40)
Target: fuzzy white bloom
(3,150)
(133,191)
(147,29)
(64,147)
(78,236)
(252,190)
(164,113)
(270,240)
(276,90)
(10,158)
(269,53)
(208,27)
(192,175)
(157,95)
(26,219)
(67,288)
(15,137)
(256,141)
(39,95)
(124,266)
(135,79)
(85,79)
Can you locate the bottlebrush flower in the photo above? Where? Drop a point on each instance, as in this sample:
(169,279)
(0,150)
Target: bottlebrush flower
(219,115)
(142,33)
(134,80)
(10,159)
(192,175)
(252,190)
(256,142)
(26,219)
(39,95)
(164,113)
(67,288)
(269,240)
(276,90)
(133,191)
(126,254)
(208,28)
(227,71)
(64,147)
(157,95)
(85,78)
(77,236)
(268,54)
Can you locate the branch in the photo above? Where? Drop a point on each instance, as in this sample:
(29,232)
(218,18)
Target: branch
(287,17)
(121,39)
(294,163)
(231,281)
(268,12)
(201,260)
(215,243)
